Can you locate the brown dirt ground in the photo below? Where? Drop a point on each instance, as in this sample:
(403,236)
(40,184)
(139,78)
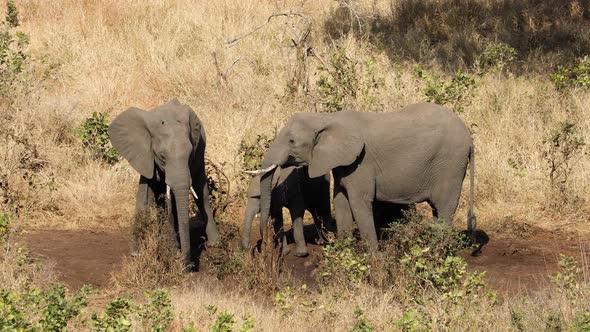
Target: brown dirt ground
(513,265)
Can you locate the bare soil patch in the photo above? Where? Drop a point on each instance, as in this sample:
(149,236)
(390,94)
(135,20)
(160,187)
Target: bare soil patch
(513,265)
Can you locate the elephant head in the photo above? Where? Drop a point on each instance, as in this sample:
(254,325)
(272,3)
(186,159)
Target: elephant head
(171,138)
(320,141)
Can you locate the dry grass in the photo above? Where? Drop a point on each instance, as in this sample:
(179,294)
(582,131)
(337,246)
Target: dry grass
(107,56)
(159,263)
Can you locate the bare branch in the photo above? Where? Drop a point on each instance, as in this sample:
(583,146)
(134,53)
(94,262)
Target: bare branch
(233,42)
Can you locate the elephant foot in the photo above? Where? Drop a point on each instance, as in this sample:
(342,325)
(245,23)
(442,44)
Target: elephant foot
(301,252)
(286,250)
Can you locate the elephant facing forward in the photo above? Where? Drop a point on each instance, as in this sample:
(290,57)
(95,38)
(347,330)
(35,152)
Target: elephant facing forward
(293,189)
(419,153)
(166,146)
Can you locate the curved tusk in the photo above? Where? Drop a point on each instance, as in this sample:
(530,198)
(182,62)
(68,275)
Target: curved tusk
(194,193)
(262,171)
(167,192)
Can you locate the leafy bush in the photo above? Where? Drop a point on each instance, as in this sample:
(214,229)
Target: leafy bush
(158,313)
(343,81)
(13,45)
(224,321)
(49,310)
(568,279)
(94,134)
(451,93)
(116,316)
(361,324)
(4,221)
(562,148)
(59,310)
(344,262)
(576,76)
(414,321)
(494,57)
(252,153)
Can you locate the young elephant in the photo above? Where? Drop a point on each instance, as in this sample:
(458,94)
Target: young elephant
(293,189)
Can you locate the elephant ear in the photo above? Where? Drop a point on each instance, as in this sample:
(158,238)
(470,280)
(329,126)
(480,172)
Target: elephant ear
(335,146)
(130,136)
(197,130)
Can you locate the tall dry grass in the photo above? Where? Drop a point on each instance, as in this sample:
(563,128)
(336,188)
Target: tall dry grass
(105,56)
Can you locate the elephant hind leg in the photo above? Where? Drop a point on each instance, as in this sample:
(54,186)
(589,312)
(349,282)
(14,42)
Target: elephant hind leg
(444,202)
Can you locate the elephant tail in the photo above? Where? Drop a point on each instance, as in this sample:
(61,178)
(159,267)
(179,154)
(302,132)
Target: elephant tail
(471,220)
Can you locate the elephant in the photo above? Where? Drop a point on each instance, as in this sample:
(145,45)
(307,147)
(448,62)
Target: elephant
(415,154)
(166,146)
(292,188)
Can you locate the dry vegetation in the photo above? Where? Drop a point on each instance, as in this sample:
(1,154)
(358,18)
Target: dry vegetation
(104,56)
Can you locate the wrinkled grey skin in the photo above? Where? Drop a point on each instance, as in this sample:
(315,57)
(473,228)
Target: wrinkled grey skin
(419,153)
(293,189)
(167,147)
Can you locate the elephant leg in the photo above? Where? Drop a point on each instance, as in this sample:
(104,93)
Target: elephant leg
(297,211)
(144,199)
(202,191)
(444,202)
(344,217)
(280,235)
(252,207)
(362,209)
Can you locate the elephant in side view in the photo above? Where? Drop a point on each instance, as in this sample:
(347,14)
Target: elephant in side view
(291,188)
(419,153)
(166,146)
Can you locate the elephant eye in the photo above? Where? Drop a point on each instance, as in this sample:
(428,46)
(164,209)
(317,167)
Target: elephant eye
(162,121)
(291,141)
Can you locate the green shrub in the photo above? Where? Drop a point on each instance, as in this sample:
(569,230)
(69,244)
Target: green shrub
(414,321)
(4,222)
(158,313)
(13,45)
(343,81)
(94,134)
(116,317)
(11,14)
(362,324)
(562,148)
(494,57)
(252,153)
(224,321)
(568,279)
(59,310)
(582,322)
(344,262)
(35,310)
(453,93)
(576,76)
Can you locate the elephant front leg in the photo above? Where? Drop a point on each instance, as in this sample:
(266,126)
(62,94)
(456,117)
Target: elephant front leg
(145,199)
(297,211)
(202,200)
(343,213)
(362,209)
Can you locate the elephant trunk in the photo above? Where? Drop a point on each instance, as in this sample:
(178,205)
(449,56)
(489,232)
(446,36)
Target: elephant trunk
(265,198)
(180,183)
(278,155)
